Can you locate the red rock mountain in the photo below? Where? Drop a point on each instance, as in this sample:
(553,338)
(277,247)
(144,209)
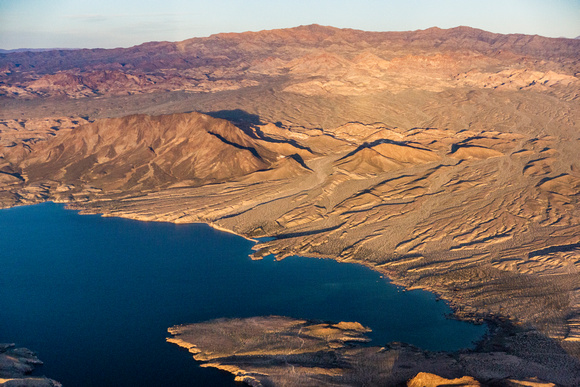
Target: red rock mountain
(359,61)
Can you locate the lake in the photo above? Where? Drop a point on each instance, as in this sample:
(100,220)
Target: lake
(94,296)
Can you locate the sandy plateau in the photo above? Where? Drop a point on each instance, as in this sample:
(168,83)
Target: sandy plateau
(446,159)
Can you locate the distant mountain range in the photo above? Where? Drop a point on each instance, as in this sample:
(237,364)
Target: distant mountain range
(2,51)
(233,61)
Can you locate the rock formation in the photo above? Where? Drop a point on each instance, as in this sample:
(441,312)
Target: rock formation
(280,351)
(16,364)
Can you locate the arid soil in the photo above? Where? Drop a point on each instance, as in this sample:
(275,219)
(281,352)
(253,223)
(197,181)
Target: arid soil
(446,159)
(280,351)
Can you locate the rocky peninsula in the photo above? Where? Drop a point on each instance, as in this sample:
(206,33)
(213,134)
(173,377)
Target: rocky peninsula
(281,351)
(15,366)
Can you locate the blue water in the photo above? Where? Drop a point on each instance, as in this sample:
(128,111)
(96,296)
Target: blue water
(94,296)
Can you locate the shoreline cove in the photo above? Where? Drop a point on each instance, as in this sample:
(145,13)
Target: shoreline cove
(474,318)
(282,269)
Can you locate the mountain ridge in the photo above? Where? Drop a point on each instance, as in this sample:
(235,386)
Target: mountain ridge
(310,60)
(314,34)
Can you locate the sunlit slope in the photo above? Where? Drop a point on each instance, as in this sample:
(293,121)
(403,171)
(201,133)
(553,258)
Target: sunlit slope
(489,219)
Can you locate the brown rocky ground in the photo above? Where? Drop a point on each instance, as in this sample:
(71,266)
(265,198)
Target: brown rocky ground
(16,364)
(485,219)
(446,159)
(280,351)
(463,213)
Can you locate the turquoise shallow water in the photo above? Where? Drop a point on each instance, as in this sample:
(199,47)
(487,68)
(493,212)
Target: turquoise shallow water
(94,296)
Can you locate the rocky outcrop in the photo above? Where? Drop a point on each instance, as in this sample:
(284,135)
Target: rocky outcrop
(425,379)
(281,351)
(16,364)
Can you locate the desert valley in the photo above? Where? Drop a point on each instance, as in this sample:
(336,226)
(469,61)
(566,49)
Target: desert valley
(446,160)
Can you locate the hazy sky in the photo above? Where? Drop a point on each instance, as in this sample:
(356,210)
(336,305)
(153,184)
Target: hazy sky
(123,23)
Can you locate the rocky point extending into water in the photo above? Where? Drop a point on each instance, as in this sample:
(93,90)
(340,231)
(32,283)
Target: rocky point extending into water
(282,351)
(15,366)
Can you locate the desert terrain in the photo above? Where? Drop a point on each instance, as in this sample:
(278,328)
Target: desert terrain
(274,350)
(446,159)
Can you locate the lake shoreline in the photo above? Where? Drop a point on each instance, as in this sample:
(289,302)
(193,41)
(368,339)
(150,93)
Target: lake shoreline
(312,348)
(501,330)
(495,335)
(458,313)
(144,261)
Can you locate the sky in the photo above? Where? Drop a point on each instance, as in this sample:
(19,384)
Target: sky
(124,23)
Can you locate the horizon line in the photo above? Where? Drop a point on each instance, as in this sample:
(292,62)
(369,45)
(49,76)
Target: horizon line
(41,49)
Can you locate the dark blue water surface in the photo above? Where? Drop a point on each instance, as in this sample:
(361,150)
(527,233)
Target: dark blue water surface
(94,296)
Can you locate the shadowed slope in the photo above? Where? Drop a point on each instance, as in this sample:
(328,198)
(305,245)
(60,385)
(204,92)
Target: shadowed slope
(382,156)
